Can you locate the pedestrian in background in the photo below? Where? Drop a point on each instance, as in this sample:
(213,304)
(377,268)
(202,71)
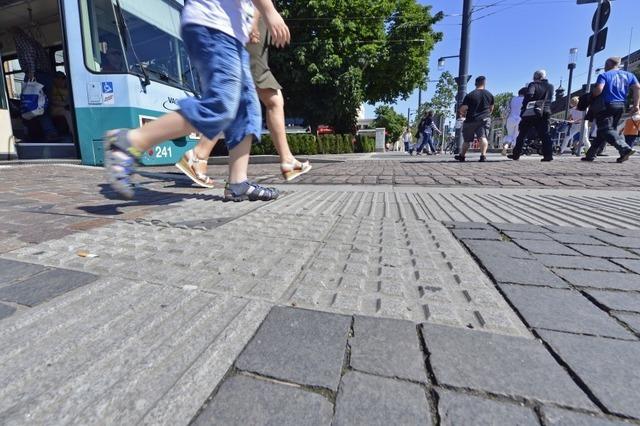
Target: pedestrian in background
(426,129)
(536,111)
(631,130)
(513,120)
(576,117)
(476,107)
(609,96)
(407,138)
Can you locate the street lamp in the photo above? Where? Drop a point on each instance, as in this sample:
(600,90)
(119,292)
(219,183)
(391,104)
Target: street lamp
(573,57)
(442,60)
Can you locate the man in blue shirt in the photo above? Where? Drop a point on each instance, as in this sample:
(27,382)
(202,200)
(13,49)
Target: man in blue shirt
(613,85)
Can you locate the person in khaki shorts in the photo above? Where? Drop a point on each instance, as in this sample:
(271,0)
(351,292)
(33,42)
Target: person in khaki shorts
(194,161)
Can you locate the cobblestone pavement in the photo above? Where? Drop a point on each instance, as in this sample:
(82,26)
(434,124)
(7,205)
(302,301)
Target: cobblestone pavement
(336,304)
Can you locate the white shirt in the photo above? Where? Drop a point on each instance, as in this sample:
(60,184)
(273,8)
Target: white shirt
(577,115)
(515,106)
(232,17)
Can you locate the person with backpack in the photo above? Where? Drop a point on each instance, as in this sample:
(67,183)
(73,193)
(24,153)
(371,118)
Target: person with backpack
(608,98)
(535,114)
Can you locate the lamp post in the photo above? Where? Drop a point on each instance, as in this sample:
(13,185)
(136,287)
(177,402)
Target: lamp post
(573,55)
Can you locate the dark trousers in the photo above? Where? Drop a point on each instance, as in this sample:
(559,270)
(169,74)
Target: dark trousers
(427,140)
(541,125)
(631,140)
(607,122)
(46,79)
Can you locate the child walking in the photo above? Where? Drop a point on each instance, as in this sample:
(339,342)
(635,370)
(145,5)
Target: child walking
(214,33)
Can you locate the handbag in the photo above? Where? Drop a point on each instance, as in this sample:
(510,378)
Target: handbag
(33,101)
(536,108)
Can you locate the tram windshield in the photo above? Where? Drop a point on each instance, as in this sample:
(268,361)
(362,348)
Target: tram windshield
(150,42)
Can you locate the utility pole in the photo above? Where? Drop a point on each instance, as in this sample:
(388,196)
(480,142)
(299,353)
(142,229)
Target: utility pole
(463,72)
(465,36)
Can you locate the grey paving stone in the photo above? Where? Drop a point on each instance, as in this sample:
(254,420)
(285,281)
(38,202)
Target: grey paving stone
(630,264)
(616,300)
(545,247)
(603,280)
(521,271)
(610,368)
(626,242)
(563,310)
(504,365)
(11,271)
(578,262)
(632,320)
(45,286)
(370,400)
(457,409)
(244,401)
(561,417)
(603,251)
(522,235)
(6,310)
(299,346)
(387,347)
(576,239)
(476,234)
(497,249)
(518,227)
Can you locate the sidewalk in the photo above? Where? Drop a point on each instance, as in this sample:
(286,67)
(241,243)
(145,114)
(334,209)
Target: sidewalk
(393,303)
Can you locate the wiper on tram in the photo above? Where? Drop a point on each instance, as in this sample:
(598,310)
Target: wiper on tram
(126,40)
(163,75)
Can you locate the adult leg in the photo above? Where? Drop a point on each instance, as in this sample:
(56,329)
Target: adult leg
(524,128)
(274,105)
(607,125)
(542,128)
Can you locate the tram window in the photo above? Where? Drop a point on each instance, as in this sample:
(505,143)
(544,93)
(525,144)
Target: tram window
(14,78)
(58,58)
(102,47)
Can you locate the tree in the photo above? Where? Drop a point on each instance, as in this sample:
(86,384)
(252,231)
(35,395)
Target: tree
(346,53)
(501,103)
(445,95)
(393,122)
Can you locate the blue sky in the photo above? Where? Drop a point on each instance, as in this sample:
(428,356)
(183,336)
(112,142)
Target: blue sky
(521,36)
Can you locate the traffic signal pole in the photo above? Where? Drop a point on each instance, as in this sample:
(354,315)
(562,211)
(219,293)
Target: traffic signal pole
(592,48)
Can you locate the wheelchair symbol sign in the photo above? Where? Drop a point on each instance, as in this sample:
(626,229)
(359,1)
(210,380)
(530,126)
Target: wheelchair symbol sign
(108,96)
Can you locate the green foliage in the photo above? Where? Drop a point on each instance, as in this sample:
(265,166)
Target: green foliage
(393,122)
(307,144)
(501,104)
(345,53)
(365,144)
(445,96)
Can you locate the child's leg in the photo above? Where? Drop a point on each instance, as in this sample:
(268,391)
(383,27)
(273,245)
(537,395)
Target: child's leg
(169,126)
(239,161)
